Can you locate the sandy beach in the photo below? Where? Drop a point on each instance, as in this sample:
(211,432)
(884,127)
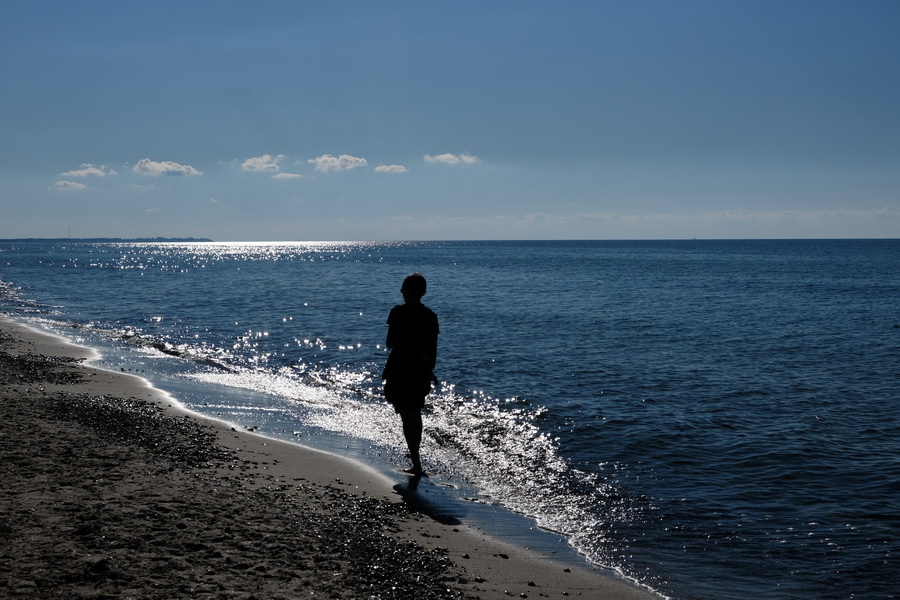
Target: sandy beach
(111,491)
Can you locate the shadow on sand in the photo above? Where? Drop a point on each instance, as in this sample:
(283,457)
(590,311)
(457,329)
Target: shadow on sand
(420,494)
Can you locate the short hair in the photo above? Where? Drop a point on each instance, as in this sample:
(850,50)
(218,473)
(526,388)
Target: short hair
(415,285)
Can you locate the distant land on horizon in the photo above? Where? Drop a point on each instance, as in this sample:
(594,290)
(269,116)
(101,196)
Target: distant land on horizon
(107,240)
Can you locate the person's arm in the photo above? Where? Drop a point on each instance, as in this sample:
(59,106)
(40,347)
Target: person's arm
(432,344)
(434,340)
(391,341)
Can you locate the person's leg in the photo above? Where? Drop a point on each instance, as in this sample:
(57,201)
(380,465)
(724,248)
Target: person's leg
(412,431)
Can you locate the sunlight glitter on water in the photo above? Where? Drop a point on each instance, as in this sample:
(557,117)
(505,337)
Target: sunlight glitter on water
(492,444)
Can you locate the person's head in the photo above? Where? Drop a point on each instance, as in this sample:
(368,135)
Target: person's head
(414,286)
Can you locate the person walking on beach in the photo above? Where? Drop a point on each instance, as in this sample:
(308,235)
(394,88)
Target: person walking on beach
(408,373)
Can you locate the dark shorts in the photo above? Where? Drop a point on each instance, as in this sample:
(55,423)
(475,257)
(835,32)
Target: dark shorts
(407,395)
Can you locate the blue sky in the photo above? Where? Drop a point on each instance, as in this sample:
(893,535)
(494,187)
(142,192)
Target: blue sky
(450,120)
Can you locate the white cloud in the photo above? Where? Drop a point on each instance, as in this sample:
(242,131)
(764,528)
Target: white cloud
(452,159)
(151,211)
(344,162)
(70,186)
(390,169)
(266,162)
(145,166)
(88,169)
(287,176)
(214,201)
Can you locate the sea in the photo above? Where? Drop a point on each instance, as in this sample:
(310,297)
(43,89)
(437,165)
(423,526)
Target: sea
(710,419)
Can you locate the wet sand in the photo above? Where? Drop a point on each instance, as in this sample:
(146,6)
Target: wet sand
(109,490)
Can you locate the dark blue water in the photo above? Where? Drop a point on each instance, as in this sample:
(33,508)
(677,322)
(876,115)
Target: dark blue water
(714,419)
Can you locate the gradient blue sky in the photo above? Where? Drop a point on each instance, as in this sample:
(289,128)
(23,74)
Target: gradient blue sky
(450,120)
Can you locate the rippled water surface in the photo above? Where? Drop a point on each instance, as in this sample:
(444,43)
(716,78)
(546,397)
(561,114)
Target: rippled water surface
(713,419)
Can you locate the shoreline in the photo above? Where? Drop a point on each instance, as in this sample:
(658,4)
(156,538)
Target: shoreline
(239,497)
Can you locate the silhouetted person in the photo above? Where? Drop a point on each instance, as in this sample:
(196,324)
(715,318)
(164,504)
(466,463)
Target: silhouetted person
(408,374)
